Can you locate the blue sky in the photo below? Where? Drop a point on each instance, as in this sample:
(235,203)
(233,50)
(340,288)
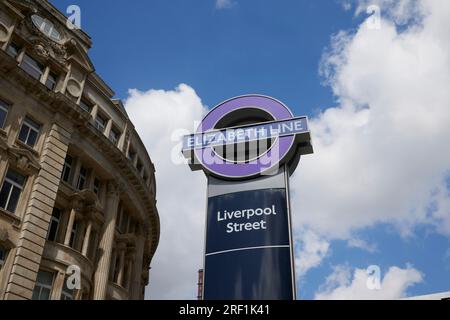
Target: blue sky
(258,46)
(273,48)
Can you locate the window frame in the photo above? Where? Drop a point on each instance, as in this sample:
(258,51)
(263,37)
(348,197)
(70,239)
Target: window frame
(114,136)
(44,286)
(3,256)
(65,292)
(88,105)
(4,106)
(131,153)
(101,127)
(54,76)
(14,46)
(38,67)
(67,168)
(47,27)
(83,176)
(13,184)
(73,235)
(96,186)
(57,220)
(30,124)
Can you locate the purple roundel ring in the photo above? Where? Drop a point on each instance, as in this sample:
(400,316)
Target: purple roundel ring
(224,168)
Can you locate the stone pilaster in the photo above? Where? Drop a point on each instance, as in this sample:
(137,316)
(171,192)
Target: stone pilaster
(136,282)
(122,252)
(37,216)
(87,238)
(106,242)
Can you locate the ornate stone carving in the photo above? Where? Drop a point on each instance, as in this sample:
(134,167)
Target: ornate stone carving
(3,32)
(42,45)
(73,88)
(24,160)
(41,50)
(5,239)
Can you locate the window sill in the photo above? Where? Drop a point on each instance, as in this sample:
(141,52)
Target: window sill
(11,216)
(27,147)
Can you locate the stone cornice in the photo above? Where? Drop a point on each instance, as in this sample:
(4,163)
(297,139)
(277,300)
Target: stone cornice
(59,103)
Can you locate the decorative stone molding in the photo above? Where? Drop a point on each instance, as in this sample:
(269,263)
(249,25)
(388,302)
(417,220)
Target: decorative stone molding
(74,88)
(4,32)
(24,160)
(113,188)
(5,239)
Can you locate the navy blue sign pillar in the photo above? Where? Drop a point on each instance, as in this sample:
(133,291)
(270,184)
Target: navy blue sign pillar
(248,147)
(248,252)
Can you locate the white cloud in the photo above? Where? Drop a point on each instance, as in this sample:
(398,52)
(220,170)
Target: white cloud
(399,11)
(380,155)
(361,244)
(156,114)
(312,250)
(340,285)
(224,4)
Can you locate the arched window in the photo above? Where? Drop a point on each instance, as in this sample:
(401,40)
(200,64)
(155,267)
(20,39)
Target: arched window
(46,27)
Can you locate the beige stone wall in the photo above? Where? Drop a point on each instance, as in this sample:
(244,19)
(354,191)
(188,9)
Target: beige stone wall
(116,229)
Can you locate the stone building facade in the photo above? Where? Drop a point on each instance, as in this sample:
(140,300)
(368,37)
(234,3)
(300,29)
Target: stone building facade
(77,186)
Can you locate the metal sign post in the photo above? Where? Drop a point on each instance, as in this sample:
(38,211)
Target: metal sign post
(248,242)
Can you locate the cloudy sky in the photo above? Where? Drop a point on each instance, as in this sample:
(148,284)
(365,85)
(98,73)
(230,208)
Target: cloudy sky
(376,86)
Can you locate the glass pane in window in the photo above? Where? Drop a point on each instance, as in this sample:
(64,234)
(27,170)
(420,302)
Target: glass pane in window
(32,137)
(33,124)
(54,222)
(13,50)
(45,277)
(13,200)
(16,177)
(3,113)
(23,134)
(51,81)
(4,194)
(45,294)
(32,67)
(85,105)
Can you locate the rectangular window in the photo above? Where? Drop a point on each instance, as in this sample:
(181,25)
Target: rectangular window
(11,190)
(67,168)
(120,215)
(93,246)
(100,123)
(13,50)
(51,81)
(66,293)
(43,287)
(32,67)
(124,223)
(86,106)
(114,136)
(82,178)
(139,166)
(131,153)
(73,234)
(3,255)
(29,132)
(54,225)
(3,113)
(96,186)
(116,269)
